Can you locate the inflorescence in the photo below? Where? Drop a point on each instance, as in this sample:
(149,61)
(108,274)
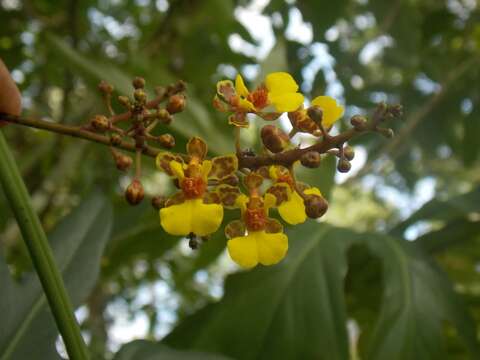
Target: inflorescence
(255,183)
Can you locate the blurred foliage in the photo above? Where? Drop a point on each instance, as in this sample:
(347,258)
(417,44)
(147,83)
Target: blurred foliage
(422,54)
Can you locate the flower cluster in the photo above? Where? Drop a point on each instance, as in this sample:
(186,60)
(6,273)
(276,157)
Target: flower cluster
(207,187)
(255,185)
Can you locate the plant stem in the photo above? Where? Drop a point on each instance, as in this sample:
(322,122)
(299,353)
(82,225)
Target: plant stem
(41,254)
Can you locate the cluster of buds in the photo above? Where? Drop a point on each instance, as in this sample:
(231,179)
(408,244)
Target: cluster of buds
(253,184)
(137,125)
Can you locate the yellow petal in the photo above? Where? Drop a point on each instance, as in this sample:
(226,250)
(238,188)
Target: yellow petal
(273,172)
(280,83)
(206,167)
(312,191)
(245,105)
(243,250)
(258,247)
(177,169)
(286,102)
(207,218)
(192,216)
(271,247)
(293,210)
(331,110)
(241,202)
(240,87)
(269,201)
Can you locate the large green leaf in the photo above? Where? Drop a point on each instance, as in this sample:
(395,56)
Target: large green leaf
(297,309)
(28,330)
(147,350)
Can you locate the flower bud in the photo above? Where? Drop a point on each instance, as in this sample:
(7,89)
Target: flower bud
(167,141)
(387,132)
(176,103)
(115,139)
(138,83)
(164,116)
(315,113)
(100,123)
(135,193)
(158,202)
(315,206)
(123,162)
(349,152)
(140,95)
(124,100)
(311,159)
(359,122)
(105,87)
(344,165)
(274,139)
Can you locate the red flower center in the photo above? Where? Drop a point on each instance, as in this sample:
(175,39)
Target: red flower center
(259,98)
(193,187)
(255,219)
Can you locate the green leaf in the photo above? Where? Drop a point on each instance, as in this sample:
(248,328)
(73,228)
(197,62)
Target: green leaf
(28,330)
(436,209)
(266,313)
(147,350)
(297,309)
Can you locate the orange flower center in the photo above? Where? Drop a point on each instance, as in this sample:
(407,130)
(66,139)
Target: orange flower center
(255,219)
(259,97)
(193,187)
(286,178)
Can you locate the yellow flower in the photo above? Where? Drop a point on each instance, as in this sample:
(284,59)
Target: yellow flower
(290,203)
(192,210)
(257,238)
(279,90)
(331,110)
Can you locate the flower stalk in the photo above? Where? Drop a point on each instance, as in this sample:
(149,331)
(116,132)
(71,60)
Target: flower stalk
(41,254)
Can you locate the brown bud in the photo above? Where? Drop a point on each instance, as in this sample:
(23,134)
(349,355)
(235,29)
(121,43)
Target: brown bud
(344,165)
(138,83)
(349,152)
(387,132)
(176,103)
(115,139)
(167,141)
(359,122)
(315,206)
(100,123)
(135,193)
(274,139)
(124,100)
(315,113)
(123,162)
(105,87)
(140,95)
(164,116)
(158,202)
(311,159)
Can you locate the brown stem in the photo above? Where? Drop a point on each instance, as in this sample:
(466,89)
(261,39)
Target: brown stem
(77,132)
